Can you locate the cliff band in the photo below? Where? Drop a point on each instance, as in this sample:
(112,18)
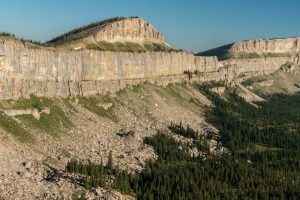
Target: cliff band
(43,71)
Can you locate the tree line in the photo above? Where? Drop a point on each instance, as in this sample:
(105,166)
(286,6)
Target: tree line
(263,163)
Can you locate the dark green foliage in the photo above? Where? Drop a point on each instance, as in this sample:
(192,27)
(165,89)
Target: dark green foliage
(129,47)
(197,72)
(32,42)
(11,126)
(270,173)
(94,175)
(220,52)
(52,123)
(91,103)
(251,81)
(274,123)
(248,82)
(264,162)
(185,132)
(166,148)
(110,161)
(7,34)
(122,182)
(189,74)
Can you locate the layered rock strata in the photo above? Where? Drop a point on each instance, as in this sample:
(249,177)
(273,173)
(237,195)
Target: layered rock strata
(55,72)
(119,34)
(284,45)
(129,30)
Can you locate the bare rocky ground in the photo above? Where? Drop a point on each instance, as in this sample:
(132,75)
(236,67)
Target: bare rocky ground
(37,170)
(284,80)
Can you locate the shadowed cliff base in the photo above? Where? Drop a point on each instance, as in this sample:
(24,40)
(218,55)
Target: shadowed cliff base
(220,52)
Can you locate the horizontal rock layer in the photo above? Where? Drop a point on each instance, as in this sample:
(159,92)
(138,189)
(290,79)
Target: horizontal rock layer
(285,45)
(129,30)
(49,73)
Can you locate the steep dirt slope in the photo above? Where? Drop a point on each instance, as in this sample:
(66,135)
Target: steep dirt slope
(282,47)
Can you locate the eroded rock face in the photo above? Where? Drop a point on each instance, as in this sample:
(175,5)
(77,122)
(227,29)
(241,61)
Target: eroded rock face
(52,72)
(256,65)
(129,30)
(267,46)
(46,72)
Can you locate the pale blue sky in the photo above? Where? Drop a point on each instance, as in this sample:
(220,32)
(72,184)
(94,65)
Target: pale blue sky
(193,25)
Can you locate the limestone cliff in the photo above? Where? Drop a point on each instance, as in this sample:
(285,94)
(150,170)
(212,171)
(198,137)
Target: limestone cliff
(260,46)
(257,48)
(49,72)
(129,30)
(116,34)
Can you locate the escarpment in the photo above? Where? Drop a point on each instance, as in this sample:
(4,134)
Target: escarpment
(284,45)
(27,69)
(45,72)
(117,34)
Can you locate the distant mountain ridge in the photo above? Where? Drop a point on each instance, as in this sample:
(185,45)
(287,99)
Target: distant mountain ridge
(256,48)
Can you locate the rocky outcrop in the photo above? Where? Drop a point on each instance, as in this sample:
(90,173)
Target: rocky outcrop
(287,47)
(56,72)
(116,34)
(30,111)
(284,45)
(257,65)
(46,72)
(129,30)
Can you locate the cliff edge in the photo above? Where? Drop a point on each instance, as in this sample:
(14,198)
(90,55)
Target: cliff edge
(117,34)
(257,48)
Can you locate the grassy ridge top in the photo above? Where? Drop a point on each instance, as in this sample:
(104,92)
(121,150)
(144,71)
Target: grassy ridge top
(75,39)
(75,34)
(84,31)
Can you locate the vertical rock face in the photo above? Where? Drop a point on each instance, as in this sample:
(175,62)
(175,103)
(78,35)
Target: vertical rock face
(129,30)
(56,72)
(267,46)
(44,72)
(115,34)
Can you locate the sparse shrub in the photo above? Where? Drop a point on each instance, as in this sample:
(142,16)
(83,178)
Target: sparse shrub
(189,74)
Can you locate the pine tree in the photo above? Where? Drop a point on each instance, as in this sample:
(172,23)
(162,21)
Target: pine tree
(87,183)
(84,170)
(110,161)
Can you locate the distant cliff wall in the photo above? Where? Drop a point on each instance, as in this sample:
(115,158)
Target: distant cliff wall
(129,30)
(284,45)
